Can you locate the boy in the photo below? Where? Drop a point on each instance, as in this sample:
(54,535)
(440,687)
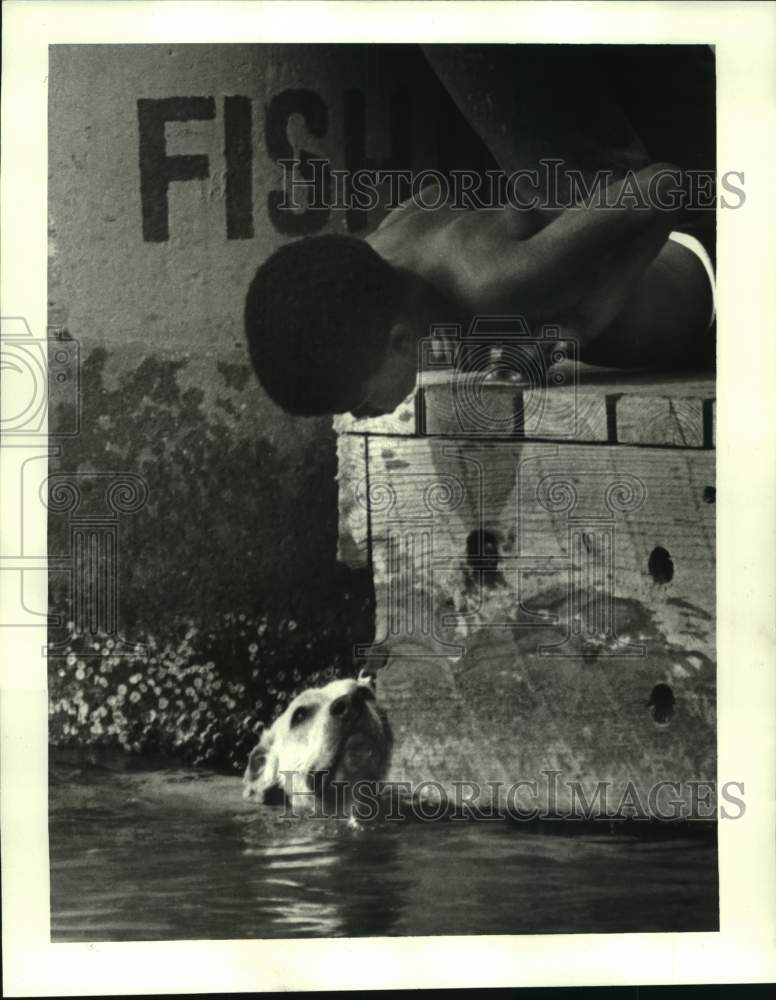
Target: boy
(334,322)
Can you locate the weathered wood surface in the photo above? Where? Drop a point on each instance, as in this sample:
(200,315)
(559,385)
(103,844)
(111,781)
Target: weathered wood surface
(353,533)
(532,597)
(535,499)
(547,519)
(504,714)
(586,405)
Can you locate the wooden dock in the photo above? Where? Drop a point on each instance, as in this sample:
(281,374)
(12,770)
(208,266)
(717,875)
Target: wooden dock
(544,571)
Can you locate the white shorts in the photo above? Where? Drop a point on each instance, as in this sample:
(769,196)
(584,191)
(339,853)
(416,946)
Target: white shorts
(694,244)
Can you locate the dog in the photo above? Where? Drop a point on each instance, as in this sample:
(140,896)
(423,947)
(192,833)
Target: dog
(327,738)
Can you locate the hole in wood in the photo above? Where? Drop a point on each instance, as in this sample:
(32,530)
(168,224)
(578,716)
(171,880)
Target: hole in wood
(661,702)
(709,494)
(660,565)
(483,551)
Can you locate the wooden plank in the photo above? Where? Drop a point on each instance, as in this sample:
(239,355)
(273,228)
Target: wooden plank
(502,714)
(566,413)
(582,404)
(541,648)
(353,531)
(470,405)
(599,405)
(615,381)
(517,493)
(660,420)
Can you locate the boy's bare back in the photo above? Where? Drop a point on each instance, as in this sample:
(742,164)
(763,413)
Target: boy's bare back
(601,274)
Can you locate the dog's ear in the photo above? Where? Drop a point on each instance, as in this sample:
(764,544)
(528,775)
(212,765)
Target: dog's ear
(261,773)
(369,679)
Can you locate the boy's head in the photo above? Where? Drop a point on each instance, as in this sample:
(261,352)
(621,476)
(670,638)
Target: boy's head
(323,328)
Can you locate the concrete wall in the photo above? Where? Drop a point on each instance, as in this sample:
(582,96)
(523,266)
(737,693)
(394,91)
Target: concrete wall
(149,278)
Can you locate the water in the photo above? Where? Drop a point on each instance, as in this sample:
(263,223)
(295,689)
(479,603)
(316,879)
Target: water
(172,854)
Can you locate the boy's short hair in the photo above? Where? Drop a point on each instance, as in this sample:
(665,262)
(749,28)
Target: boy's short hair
(317,317)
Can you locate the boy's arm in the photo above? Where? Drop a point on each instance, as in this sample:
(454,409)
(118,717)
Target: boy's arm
(665,322)
(652,302)
(609,277)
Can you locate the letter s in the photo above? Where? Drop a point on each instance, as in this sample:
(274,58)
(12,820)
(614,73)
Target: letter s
(733,800)
(732,189)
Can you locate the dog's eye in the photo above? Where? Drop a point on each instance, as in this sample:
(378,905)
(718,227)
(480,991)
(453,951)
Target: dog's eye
(299,715)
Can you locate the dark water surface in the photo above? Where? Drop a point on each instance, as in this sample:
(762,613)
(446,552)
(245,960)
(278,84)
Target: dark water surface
(171,854)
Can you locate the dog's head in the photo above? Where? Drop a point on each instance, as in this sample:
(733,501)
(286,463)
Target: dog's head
(335,733)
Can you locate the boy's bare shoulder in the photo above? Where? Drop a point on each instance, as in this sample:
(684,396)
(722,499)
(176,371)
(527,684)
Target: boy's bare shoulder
(451,248)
